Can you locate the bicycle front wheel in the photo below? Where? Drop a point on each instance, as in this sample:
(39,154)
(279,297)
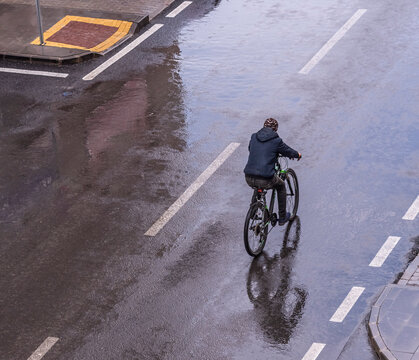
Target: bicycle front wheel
(293,195)
(256,229)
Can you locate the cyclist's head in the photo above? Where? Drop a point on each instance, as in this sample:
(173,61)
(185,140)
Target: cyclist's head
(271,123)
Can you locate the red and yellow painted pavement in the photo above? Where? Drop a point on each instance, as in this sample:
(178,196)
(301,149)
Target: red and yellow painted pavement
(92,34)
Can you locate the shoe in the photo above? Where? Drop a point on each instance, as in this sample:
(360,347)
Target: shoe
(283,221)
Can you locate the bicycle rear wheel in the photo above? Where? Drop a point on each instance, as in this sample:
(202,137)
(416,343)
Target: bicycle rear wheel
(256,229)
(293,195)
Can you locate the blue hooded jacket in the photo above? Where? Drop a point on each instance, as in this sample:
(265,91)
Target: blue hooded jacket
(264,147)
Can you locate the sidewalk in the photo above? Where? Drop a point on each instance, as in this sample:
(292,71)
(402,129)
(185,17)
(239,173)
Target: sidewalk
(73,29)
(394,320)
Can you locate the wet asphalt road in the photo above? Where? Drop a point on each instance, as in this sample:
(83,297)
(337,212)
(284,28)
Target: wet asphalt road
(88,167)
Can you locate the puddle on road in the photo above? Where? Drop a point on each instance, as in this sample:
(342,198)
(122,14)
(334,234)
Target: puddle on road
(225,73)
(75,178)
(232,62)
(124,113)
(78,138)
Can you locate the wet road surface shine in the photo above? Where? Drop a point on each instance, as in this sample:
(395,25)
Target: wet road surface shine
(193,292)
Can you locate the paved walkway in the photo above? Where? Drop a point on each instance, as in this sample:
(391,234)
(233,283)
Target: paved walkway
(131,7)
(83,28)
(394,321)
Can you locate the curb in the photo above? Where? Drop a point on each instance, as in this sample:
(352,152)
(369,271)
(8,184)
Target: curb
(138,24)
(377,341)
(380,347)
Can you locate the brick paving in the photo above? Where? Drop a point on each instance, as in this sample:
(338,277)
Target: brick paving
(414,280)
(411,275)
(83,34)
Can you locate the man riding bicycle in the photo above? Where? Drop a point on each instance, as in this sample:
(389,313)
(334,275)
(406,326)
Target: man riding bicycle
(264,148)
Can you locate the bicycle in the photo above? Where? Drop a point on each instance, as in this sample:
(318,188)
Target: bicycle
(259,216)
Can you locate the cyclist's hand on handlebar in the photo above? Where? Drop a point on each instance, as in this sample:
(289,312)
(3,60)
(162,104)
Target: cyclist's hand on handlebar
(298,158)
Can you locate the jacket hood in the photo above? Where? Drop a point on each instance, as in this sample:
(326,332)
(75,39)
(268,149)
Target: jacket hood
(266,134)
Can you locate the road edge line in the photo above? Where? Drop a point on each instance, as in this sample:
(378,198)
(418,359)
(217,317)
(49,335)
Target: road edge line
(332,42)
(192,189)
(179,9)
(42,349)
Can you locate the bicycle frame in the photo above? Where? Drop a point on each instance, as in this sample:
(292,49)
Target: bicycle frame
(261,196)
(282,173)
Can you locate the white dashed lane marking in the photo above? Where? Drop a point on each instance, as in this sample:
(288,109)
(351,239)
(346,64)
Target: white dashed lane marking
(385,251)
(314,351)
(123,52)
(192,189)
(332,42)
(179,9)
(412,211)
(33,72)
(347,304)
(43,348)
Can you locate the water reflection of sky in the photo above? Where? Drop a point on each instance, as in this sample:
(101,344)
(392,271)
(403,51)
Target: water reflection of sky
(235,59)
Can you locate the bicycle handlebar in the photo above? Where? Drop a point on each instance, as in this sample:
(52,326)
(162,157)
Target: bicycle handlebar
(291,158)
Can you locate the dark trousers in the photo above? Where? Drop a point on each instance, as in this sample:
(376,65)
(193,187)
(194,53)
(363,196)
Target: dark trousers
(275,182)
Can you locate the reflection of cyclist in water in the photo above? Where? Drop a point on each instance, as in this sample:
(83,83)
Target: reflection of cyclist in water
(278,305)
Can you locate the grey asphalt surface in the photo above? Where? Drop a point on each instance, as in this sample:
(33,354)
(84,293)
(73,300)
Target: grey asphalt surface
(87,167)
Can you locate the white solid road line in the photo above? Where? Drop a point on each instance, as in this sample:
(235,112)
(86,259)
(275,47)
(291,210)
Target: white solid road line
(43,348)
(347,304)
(33,72)
(385,251)
(314,351)
(123,52)
(412,211)
(174,208)
(181,7)
(332,42)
